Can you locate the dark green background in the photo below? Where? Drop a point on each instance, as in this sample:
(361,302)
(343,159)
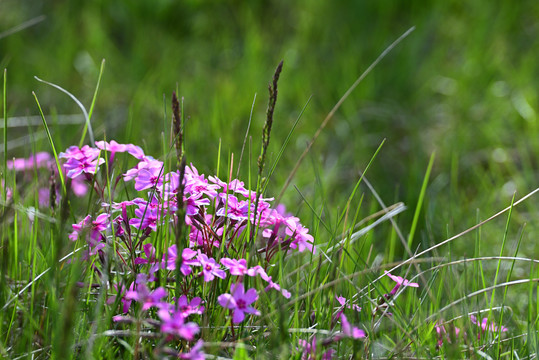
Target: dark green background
(463,84)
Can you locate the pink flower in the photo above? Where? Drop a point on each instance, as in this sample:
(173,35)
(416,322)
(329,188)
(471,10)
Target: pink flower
(239,302)
(236,267)
(147,298)
(484,325)
(443,335)
(80,161)
(351,331)
(400,282)
(175,325)
(135,151)
(112,147)
(196,184)
(146,163)
(148,214)
(79,186)
(210,268)
(301,237)
(100,224)
(148,178)
(149,251)
(188,308)
(343,302)
(120,290)
(187,259)
(234,209)
(40,159)
(193,204)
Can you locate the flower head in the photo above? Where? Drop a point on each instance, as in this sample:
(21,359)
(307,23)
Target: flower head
(239,302)
(400,282)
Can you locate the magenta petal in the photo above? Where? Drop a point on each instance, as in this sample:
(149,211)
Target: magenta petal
(250,296)
(196,301)
(358,333)
(188,254)
(182,301)
(227,301)
(237,290)
(238,316)
(251,310)
(158,293)
(188,331)
(164,315)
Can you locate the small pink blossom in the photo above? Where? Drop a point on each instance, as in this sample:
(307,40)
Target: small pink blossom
(174,324)
(400,282)
(146,297)
(188,308)
(485,325)
(239,302)
(210,268)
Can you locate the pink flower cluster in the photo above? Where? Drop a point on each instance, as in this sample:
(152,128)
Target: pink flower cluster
(449,336)
(218,217)
(38,162)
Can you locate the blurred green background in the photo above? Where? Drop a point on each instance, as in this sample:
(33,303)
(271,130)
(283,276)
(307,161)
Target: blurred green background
(463,84)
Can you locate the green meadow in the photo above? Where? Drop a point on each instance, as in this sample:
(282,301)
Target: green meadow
(403,138)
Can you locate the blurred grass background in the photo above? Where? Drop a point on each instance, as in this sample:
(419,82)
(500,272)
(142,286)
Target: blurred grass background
(463,84)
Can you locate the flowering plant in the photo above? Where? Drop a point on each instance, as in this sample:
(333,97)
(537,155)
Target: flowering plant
(218,217)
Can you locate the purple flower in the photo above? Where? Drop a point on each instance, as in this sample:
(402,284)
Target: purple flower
(120,291)
(210,268)
(78,185)
(112,147)
(80,161)
(201,233)
(239,302)
(100,224)
(175,325)
(193,203)
(187,308)
(40,159)
(135,151)
(301,237)
(148,214)
(234,209)
(400,282)
(149,251)
(443,335)
(236,267)
(187,259)
(148,178)
(147,298)
(145,164)
(196,184)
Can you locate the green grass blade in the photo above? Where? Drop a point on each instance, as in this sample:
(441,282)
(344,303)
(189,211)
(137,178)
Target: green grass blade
(60,173)
(87,126)
(420,201)
(79,104)
(4,97)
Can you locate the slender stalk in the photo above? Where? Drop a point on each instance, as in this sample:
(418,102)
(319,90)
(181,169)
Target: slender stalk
(266,133)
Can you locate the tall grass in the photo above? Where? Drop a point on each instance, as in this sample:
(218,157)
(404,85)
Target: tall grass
(55,303)
(56,298)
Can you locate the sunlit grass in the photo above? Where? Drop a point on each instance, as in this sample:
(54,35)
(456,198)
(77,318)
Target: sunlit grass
(459,87)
